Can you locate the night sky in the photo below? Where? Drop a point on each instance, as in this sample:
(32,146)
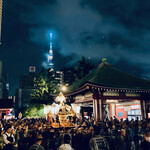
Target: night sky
(118,30)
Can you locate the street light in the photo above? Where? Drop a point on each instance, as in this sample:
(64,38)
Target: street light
(64,88)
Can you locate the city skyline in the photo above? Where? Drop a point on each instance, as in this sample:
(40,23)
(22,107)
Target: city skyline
(118,31)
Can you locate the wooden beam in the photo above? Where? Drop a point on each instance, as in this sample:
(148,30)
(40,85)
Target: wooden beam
(122,97)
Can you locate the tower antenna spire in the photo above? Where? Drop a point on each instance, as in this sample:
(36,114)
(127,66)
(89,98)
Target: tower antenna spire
(50,57)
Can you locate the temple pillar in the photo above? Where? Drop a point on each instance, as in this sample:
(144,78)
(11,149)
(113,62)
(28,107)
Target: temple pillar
(143,108)
(102,109)
(147,108)
(145,105)
(113,110)
(98,109)
(94,109)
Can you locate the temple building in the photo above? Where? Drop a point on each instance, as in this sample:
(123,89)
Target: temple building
(108,92)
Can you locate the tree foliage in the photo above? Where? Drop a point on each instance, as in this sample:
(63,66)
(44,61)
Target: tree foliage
(43,88)
(50,82)
(34,110)
(82,69)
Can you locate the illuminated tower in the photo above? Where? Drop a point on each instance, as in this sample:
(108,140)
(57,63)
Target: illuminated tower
(50,57)
(0,18)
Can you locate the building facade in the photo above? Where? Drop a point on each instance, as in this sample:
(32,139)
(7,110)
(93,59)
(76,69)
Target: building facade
(58,78)
(27,81)
(4,86)
(25,89)
(111,92)
(68,76)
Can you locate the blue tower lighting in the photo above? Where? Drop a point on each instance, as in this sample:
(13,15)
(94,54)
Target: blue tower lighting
(50,57)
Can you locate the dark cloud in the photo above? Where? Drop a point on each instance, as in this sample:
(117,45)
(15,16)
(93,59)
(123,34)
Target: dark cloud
(125,65)
(117,30)
(132,14)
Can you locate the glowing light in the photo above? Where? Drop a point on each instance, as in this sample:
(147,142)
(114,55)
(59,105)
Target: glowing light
(54,109)
(50,58)
(46,109)
(51,64)
(51,51)
(62,111)
(51,35)
(8,111)
(76,108)
(111,101)
(64,88)
(51,41)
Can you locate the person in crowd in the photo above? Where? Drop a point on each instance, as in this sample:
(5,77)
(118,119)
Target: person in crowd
(1,125)
(18,133)
(67,143)
(145,144)
(148,127)
(1,138)
(112,133)
(9,139)
(37,145)
(98,142)
(15,145)
(138,129)
(122,143)
(52,140)
(77,139)
(86,136)
(129,137)
(24,139)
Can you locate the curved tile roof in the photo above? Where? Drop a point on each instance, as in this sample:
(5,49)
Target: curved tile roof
(105,75)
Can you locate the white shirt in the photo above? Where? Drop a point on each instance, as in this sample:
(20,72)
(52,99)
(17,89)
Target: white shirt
(65,147)
(5,137)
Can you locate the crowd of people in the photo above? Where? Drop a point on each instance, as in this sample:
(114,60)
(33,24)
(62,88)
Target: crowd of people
(38,134)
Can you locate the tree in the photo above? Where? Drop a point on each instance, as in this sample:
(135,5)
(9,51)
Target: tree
(35,110)
(41,88)
(82,69)
(44,87)
(50,81)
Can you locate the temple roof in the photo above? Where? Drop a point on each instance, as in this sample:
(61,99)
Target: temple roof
(105,75)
